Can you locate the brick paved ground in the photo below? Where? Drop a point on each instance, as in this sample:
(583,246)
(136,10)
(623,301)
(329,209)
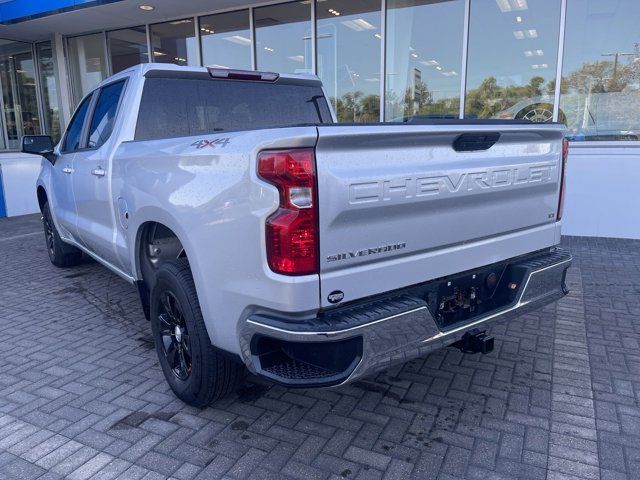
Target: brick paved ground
(81,394)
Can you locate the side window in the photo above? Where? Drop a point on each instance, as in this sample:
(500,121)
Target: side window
(72,139)
(104,114)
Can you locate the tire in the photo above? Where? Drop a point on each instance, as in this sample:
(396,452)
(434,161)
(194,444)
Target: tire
(540,113)
(197,372)
(61,254)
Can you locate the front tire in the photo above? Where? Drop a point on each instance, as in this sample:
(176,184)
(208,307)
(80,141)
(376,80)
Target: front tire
(196,371)
(61,254)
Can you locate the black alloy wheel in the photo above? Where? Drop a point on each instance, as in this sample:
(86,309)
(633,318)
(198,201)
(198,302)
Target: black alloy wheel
(197,372)
(176,343)
(48,234)
(60,253)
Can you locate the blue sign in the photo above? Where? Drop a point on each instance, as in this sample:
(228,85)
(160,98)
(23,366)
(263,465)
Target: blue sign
(3,209)
(15,11)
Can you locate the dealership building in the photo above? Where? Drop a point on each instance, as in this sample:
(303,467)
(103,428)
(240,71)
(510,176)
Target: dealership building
(574,61)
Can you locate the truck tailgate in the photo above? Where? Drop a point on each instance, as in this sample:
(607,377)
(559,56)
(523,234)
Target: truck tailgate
(400,205)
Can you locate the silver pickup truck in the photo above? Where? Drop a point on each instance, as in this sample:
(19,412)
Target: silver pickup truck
(262,234)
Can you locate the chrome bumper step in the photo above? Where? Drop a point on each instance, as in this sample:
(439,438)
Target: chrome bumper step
(389,329)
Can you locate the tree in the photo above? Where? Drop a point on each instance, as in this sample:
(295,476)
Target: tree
(490,98)
(599,77)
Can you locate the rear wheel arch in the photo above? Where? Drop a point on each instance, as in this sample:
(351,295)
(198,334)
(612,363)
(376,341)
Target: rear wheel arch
(155,245)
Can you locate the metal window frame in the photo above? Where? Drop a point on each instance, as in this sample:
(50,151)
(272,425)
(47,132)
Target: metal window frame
(314,35)
(383,54)
(465,57)
(69,83)
(196,26)
(252,36)
(3,119)
(107,54)
(149,45)
(560,60)
(383,59)
(39,95)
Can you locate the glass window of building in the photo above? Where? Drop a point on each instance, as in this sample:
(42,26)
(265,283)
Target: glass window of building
(226,40)
(127,47)
(87,64)
(349,43)
(283,37)
(49,90)
(424,58)
(18,80)
(600,89)
(512,59)
(174,42)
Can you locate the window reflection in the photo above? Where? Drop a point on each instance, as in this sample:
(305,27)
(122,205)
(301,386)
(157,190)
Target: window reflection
(17,76)
(513,50)
(224,40)
(424,56)
(600,89)
(174,42)
(349,40)
(87,64)
(283,37)
(127,47)
(49,90)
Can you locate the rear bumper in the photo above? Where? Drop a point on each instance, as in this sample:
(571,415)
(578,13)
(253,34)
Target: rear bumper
(360,339)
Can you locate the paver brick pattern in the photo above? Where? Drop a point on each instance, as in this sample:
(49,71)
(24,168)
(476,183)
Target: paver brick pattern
(82,395)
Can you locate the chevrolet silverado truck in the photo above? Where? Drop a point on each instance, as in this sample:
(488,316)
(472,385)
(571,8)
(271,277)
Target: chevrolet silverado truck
(262,234)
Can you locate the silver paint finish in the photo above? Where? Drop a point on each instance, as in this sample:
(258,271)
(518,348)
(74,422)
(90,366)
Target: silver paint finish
(212,199)
(454,210)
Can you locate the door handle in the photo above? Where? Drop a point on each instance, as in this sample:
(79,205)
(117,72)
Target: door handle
(67,170)
(98,172)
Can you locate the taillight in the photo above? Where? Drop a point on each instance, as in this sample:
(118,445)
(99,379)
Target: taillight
(292,231)
(563,180)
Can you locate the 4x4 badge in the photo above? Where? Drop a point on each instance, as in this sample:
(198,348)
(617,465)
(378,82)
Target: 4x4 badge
(211,143)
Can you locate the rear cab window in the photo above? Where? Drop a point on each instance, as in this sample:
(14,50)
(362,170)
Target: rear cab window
(187,106)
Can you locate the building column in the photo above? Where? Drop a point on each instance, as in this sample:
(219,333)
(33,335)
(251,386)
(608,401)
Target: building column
(62,78)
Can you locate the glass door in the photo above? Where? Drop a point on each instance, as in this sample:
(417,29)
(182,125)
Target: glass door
(20,100)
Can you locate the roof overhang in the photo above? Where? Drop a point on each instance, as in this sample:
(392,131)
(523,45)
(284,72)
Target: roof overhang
(32,20)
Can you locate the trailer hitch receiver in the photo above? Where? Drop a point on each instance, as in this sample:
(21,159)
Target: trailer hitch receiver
(475,341)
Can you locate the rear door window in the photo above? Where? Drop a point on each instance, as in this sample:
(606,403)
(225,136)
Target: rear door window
(179,107)
(104,114)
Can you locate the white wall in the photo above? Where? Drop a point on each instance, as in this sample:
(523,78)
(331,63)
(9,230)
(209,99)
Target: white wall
(602,196)
(19,175)
(603,190)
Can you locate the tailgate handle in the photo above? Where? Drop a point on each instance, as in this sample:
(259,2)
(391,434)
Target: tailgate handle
(468,142)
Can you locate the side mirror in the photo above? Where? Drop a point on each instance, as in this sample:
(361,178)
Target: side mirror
(39,145)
